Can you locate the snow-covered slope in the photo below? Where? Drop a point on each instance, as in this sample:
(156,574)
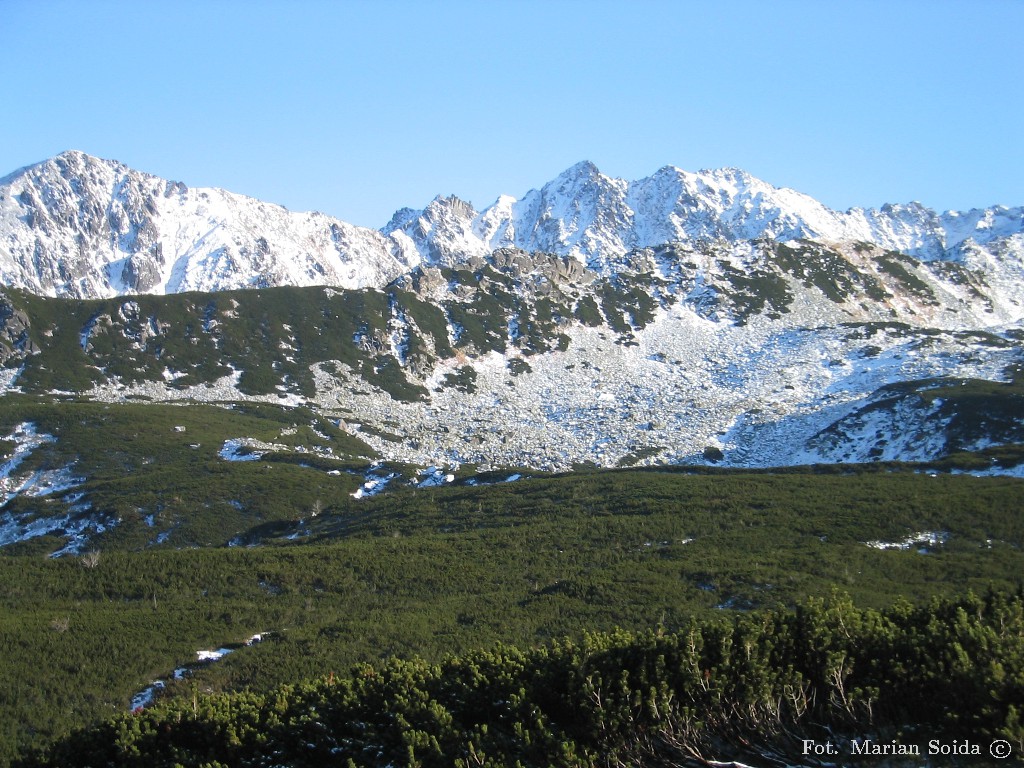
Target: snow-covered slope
(79,226)
(82,227)
(592,217)
(596,219)
(752,354)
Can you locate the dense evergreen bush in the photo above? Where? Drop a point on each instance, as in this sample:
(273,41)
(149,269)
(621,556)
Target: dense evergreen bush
(748,688)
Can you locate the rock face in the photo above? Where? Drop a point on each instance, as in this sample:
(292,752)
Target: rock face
(86,228)
(82,227)
(15,340)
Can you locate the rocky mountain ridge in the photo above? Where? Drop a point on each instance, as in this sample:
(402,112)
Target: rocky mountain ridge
(788,355)
(82,227)
(592,217)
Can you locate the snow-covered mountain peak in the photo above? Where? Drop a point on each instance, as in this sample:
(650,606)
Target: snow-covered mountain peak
(76,225)
(593,217)
(584,169)
(441,233)
(69,160)
(74,172)
(79,226)
(450,206)
(401,218)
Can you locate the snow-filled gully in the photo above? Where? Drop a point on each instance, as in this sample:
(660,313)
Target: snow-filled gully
(147,695)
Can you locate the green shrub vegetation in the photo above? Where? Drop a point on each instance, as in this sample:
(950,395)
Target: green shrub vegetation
(896,265)
(153,473)
(418,574)
(749,687)
(758,292)
(654,616)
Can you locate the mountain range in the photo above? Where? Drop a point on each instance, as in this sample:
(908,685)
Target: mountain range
(78,226)
(686,318)
(608,404)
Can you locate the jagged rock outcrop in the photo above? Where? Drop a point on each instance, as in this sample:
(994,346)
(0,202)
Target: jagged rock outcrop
(15,341)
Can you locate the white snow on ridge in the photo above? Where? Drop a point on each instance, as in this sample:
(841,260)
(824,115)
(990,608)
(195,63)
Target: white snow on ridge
(596,218)
(116,231)
(94,228)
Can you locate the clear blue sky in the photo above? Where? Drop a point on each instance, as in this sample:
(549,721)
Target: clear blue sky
(359,108)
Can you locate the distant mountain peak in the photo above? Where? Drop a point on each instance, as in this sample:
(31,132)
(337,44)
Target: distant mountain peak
(582,168)
(77,225)
(452,203)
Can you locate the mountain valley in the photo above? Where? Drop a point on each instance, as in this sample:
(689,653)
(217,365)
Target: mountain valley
(685,319)
(608,406)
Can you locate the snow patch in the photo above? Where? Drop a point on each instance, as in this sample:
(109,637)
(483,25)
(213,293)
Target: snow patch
(241,449)
(374,485)
(215,655)
(923,540)
(42,483)
(146,696)
(433,477)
